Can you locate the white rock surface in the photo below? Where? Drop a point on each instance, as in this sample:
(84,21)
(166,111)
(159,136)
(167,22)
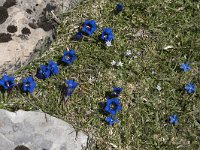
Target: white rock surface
(34,28)
(38,131)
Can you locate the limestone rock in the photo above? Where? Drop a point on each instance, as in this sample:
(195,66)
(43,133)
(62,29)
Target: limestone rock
(25,26)
(38,131)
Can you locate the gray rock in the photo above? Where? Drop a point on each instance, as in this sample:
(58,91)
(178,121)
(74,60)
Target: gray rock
(25,26)
(38,131)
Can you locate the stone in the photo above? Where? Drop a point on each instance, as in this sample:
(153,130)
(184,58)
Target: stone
(33,130)
(26,28)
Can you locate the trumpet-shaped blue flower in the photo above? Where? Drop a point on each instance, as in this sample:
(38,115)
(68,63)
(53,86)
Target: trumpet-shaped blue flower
(116,91)
(111,120)
(112,106)
(185,67)
(107,34)
(173,119)
(71,85)
(28,84)
(78,36)
(119,7)
(190,88)
(89,27)
(68,57)
(7,82)
(53,67)
(44,71)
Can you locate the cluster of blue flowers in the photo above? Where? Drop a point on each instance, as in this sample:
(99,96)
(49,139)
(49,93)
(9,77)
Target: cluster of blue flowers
(89,27)
(113,105)
(45,71)
(48,70)
(28,85)
(190,88)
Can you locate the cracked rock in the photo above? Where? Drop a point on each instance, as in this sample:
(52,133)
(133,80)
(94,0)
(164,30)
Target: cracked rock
(23,25)
(38,131)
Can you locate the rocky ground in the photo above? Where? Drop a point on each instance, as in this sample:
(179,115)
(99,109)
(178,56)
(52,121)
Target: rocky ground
(27,27)
(37,131)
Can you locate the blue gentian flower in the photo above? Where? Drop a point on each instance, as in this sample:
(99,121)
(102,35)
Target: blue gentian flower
(111,120)
(112,106)
(107,34)
(116,91)
(173,119)
(185,67)
(7,82)
(68,56)
(53,67)
(28,84)
(190,88)
(71,85)
(44,72)
(89,27)
(78,36)
(119,7)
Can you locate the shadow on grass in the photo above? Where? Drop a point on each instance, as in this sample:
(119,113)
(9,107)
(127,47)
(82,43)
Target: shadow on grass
(63,89)
(178,70)
(110,95)
(101,109)
(115,12)
(10,90)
